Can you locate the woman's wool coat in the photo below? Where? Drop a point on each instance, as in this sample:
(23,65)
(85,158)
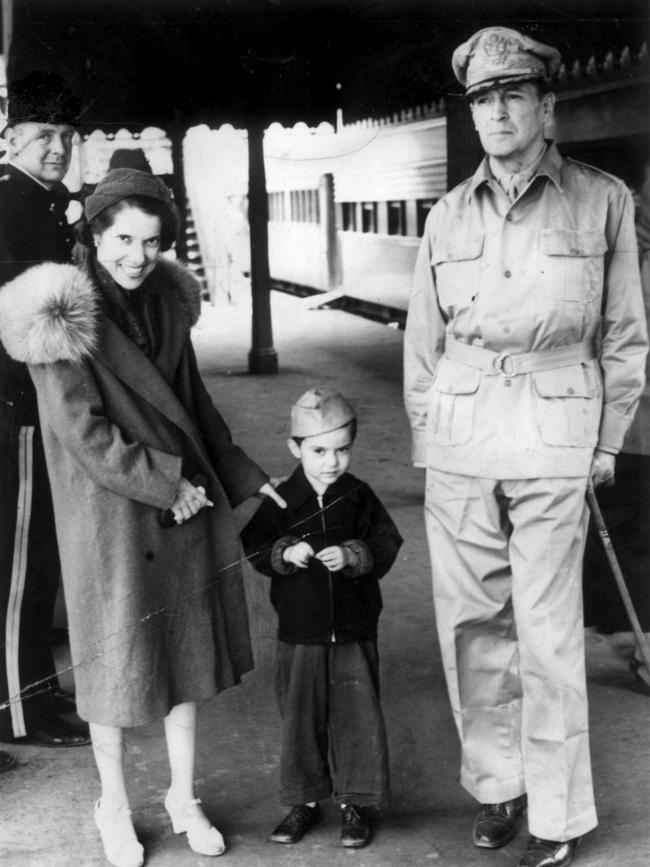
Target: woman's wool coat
(156,616)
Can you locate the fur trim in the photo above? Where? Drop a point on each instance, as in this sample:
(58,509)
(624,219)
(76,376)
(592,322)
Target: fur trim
(49,313)
(185,288)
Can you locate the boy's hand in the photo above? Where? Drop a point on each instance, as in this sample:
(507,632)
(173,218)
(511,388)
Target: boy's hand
(299,554)
(267,490)
(336,558)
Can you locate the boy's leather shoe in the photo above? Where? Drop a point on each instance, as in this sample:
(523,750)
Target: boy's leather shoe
(295,824)
(355,827)
(548,853)
(496,824)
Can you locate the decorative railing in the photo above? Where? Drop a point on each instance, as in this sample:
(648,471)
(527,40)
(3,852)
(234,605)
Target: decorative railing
(406,115)
(625,65)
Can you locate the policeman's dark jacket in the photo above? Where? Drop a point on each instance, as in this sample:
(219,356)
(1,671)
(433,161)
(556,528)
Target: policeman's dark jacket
(316,606)
(33,229)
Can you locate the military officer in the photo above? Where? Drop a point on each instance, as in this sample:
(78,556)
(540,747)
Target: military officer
(33,228)
(524,362)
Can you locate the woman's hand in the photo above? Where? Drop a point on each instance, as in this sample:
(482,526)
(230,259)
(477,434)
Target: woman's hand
(189,501)
(267,490)
(299,554)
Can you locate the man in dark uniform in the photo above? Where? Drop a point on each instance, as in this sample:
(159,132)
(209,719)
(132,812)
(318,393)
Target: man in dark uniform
(33,229)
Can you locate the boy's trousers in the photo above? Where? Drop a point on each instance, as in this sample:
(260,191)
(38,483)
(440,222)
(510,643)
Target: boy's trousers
(506,559)
(333,733)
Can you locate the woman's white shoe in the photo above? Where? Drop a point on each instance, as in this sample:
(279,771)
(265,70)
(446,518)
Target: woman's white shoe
(189,818)
(121,846)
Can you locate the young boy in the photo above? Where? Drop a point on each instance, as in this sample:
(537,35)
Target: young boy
(325,553)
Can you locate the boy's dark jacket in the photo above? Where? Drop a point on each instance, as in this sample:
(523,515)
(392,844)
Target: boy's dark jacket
(314,605)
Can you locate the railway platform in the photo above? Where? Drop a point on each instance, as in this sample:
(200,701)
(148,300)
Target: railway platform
(46,802)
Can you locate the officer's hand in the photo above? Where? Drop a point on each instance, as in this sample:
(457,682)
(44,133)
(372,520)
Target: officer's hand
(189,500)
(267,490)
(336,558)
(602,468)
(299,554)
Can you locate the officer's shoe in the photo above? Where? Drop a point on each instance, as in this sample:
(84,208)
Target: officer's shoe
(548,853)
(496,824)
(355,827)
(295,824)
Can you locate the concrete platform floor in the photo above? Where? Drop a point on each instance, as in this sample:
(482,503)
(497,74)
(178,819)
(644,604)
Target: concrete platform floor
(46,802)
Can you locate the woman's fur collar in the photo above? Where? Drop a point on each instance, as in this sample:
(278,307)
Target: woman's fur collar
(171,276)
(50,312)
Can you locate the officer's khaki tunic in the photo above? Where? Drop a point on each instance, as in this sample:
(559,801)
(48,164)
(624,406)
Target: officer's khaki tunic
(508,457)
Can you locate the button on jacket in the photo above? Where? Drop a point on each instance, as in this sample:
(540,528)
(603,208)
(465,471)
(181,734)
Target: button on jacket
(555,268)
(316,606)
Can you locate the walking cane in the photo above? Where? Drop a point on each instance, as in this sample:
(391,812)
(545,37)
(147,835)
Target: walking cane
(644,668)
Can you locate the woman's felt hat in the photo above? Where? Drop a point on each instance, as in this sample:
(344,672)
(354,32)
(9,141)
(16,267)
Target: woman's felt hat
(121,184)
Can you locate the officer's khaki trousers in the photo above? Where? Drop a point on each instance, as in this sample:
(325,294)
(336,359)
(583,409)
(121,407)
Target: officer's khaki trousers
(506,559)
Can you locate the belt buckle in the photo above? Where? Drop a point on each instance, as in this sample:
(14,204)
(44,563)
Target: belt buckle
(504,364)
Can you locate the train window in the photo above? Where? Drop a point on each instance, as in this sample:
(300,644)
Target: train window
(276,206)
(423,208)
(304,207)
(397,218)
(369,216)
(349,215)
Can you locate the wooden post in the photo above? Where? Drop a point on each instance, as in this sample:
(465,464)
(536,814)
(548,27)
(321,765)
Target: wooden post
(464,151)
(329,231)
(262,357)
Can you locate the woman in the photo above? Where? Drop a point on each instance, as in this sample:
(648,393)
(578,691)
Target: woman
(157,615)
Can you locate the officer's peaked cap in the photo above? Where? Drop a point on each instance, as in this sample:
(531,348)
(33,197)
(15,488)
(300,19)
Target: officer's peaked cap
(499,55)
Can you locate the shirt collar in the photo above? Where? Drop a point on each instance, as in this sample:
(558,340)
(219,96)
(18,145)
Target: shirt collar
(298,489)
(550,166)
(59,193)
(30,176)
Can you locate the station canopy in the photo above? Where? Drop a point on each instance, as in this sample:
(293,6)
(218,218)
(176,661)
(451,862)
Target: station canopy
(183,62)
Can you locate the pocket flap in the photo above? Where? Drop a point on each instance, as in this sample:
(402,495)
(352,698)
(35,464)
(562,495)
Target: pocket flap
(452,377)
(566,242)
(574,381)
(457,249)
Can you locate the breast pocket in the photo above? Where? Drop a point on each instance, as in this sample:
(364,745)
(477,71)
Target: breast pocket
(451,420)
(567,405)
(571,264)
(457,265)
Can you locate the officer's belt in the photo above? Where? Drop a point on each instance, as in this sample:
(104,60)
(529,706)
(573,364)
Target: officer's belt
(513,363)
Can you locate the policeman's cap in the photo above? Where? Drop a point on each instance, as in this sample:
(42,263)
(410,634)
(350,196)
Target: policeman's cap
(42,97)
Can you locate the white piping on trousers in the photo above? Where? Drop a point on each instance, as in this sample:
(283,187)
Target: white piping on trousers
(18,577)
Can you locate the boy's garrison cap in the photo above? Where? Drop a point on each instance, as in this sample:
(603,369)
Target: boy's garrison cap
(319,411)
